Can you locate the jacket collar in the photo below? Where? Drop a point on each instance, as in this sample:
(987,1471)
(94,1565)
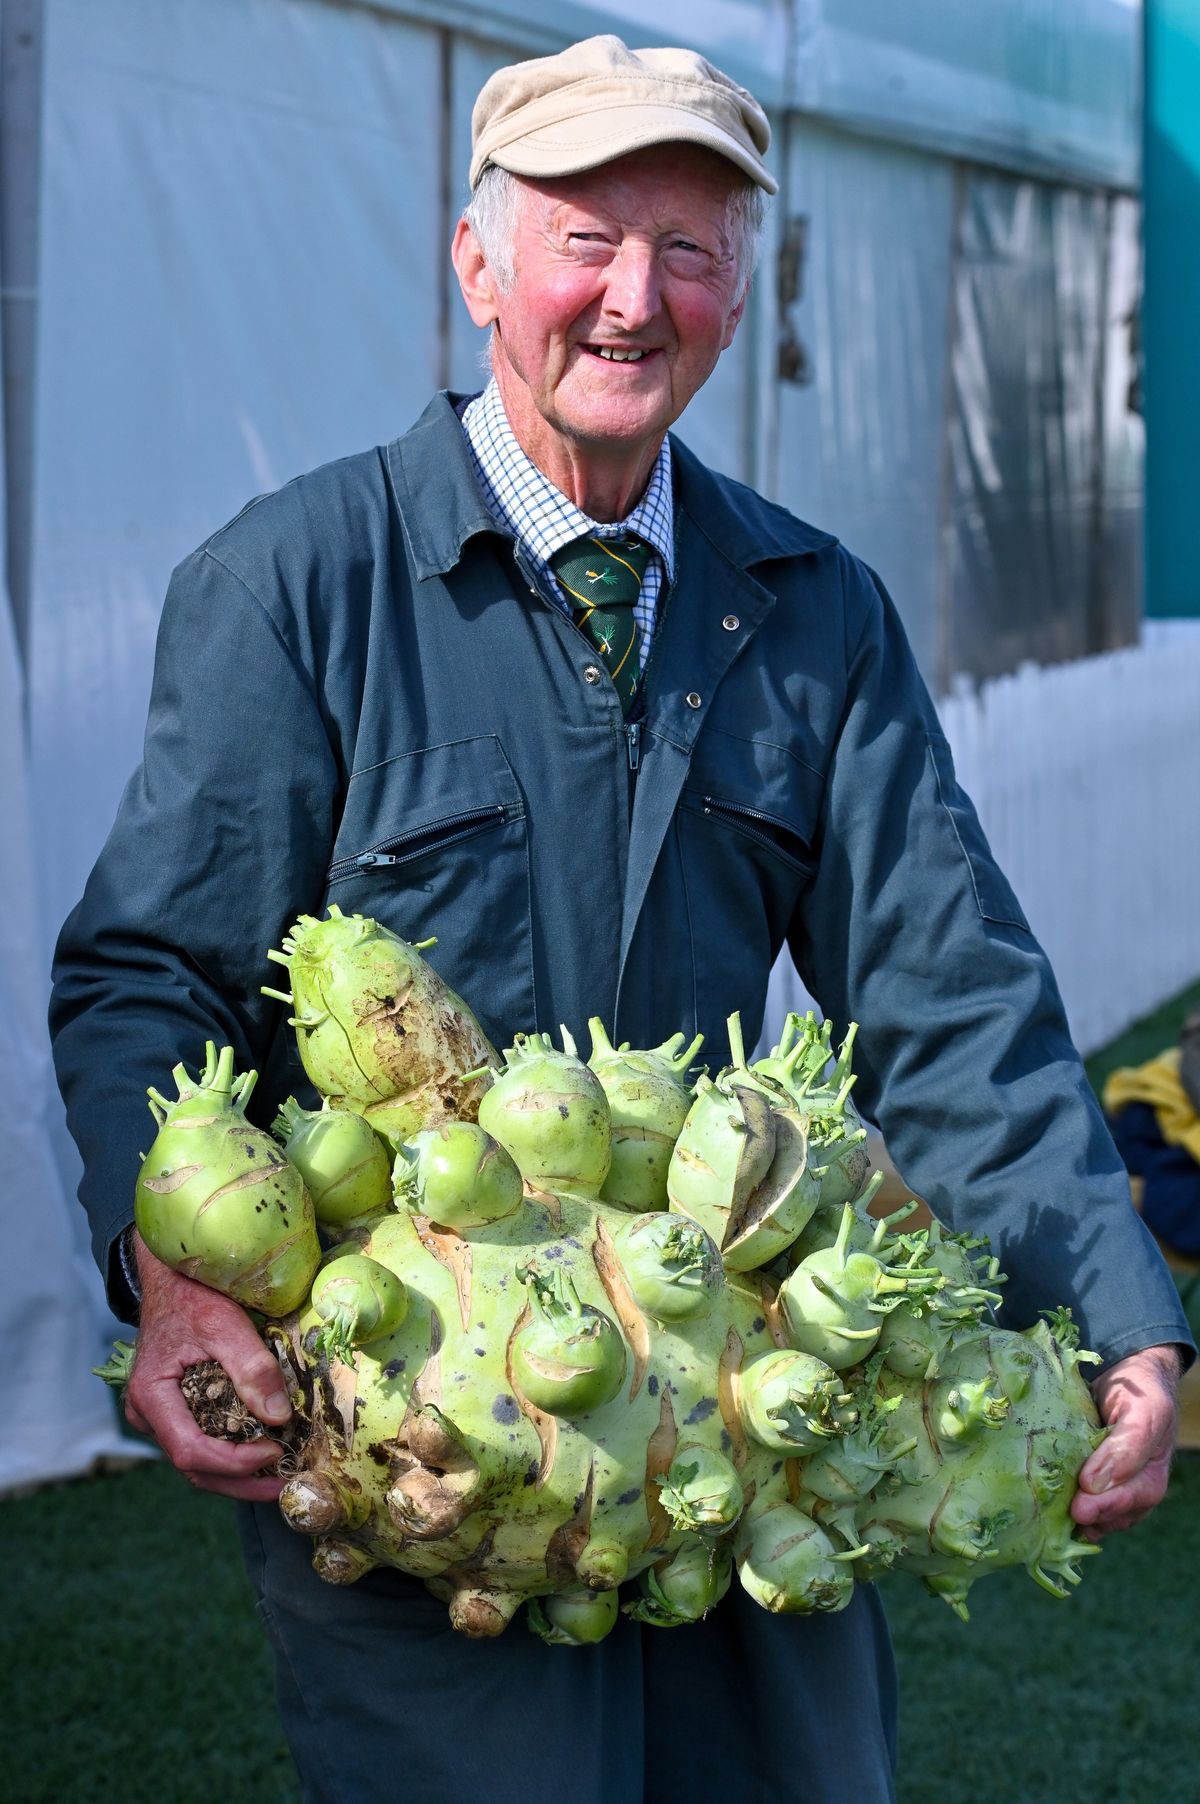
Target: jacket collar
(438,498)
(740,526)
(726,532)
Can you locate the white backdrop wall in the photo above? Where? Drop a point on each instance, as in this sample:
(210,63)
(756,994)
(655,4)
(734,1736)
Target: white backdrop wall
(57,1421)
(244,211)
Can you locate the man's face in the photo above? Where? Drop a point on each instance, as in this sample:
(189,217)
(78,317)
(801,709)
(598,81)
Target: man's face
(635,258)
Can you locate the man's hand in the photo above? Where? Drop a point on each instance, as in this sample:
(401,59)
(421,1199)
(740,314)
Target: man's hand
(1127,1474)
(183,1323)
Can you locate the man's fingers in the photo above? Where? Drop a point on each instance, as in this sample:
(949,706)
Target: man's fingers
(1140,1494)
(1128,1449)
(229,1336)
(1122,1505)
(1126,1476)
(155,1403)
(241,1469)
(199,1455)
(135,1418)
(1119,1510)
(244,1490)
(255,1376)
(230,1468)
(1136,1398)
(186,1324)
(194,1452)
(207,1468)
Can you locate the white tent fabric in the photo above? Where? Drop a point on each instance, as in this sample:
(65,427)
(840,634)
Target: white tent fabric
(225,189)
(1046,86)
(57,1418)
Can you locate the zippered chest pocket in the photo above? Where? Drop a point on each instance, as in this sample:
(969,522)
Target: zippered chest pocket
(759,828)
(764,796)
(434,842)
(419,842)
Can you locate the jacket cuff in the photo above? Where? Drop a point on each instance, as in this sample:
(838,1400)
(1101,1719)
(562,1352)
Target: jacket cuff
(121,1277)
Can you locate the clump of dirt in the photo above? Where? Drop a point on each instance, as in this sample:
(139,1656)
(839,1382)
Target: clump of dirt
(219,1411)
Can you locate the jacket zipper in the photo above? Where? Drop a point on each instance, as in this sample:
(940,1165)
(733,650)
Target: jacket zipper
(633,734)
(715,802)
(741,811)
(397,849)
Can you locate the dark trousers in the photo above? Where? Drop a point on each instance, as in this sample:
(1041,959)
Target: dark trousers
(380,1699)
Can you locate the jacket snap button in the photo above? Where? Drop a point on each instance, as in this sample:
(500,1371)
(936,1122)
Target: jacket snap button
(591,673)
(731,623)
(693,700)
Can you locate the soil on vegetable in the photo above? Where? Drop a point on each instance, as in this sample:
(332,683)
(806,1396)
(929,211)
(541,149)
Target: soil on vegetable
(219,1411)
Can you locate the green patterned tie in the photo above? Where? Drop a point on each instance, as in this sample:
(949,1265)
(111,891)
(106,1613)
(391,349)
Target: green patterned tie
(604,578)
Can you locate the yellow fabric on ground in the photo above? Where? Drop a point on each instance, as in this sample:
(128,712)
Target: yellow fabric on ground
(1157,1083)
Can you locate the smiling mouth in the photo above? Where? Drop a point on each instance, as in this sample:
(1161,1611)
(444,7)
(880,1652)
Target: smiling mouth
(615,354)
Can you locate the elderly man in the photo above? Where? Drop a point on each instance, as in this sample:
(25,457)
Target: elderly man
(393,685)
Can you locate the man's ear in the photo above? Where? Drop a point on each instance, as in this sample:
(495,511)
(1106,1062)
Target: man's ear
(734,320)
(475,276)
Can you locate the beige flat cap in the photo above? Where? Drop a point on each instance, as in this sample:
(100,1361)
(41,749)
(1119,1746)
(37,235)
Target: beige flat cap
(597,100)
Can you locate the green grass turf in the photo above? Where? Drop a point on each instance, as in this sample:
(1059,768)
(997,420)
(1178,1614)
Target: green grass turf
(1088,1701)
(1147,1037)
(137,1672)
(135,1669)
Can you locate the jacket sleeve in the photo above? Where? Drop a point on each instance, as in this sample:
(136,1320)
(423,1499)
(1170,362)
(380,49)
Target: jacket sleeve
(222,837)
(964,1056)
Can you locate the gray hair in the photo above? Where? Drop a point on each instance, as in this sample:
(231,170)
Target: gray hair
(492,213)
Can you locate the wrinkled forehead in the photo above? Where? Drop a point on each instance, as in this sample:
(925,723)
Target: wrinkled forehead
(660,184)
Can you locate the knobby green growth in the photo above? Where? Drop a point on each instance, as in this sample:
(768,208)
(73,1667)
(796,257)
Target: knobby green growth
(648,1102)
(835,1300)
(573,1618)
(685,1587)
(344,1164)
(570,1358)
(359,1301)
(672,1266)
(837,1139)
(521,1379)
(378,1030)
(218,1201)
(550,1112)
(702,1492)
(457,1175)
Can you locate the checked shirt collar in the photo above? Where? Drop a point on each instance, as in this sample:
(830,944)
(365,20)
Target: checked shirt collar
(542,520)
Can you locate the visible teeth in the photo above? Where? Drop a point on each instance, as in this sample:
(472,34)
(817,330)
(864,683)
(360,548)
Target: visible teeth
(615,356)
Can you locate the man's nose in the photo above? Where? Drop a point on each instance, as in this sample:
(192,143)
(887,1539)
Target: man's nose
(631,290)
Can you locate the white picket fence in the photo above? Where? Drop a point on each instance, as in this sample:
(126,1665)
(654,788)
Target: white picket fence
(1087,781)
